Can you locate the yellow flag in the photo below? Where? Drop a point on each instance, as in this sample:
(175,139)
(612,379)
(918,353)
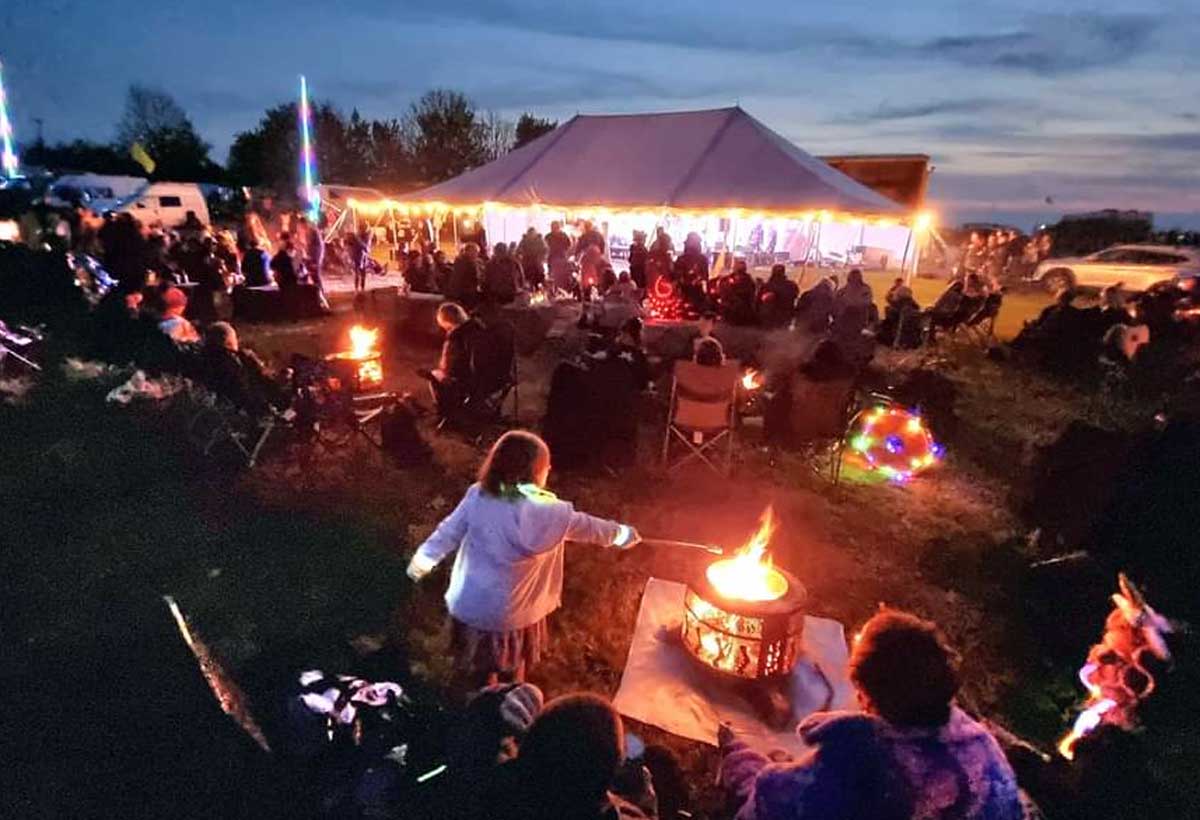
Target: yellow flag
(141,157)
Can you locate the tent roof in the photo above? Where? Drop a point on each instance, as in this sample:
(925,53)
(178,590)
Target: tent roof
(721,158)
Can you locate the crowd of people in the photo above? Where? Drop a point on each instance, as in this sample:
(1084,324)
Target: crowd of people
(1144,340)
(1003,255)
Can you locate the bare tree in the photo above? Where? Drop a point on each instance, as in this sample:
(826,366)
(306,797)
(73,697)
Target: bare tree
(496,135)
(149,111)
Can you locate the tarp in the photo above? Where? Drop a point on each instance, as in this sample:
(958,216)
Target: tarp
(701,160)
(663,686)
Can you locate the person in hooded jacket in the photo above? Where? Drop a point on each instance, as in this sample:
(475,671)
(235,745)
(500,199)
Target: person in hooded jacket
(508,531)
(910,753)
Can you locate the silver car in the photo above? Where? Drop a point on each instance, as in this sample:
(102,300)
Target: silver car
(1134,267)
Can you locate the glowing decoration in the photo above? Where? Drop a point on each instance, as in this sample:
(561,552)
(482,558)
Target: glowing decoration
(664,301)
(600,212)
(748,575)
(308,159)
(8,157)
(893,442)
(1118,673)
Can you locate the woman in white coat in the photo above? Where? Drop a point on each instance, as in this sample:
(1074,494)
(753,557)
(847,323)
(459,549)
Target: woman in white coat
(508,575)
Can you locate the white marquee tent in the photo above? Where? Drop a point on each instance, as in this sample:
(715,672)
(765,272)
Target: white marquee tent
(721,173)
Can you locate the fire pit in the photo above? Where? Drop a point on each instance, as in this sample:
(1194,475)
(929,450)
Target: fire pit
(743,617)
(360,367)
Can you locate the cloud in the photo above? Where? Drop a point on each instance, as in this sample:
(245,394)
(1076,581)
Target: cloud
(665,23)
(888,112)
(1051,44)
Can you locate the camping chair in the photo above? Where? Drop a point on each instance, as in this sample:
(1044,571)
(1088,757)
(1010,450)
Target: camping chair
(218,422)
(980,327)
(702,412)
(827,407)
(494,373)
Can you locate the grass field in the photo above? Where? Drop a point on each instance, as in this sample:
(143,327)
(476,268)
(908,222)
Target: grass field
(301,563)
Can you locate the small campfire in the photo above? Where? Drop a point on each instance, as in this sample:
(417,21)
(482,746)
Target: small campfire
(362,363)
(751,380)
(744,617)
(1119,673)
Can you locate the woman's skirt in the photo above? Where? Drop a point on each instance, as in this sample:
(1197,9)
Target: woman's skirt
(479,653)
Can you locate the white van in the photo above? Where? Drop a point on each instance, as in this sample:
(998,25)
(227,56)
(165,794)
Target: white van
(167,203)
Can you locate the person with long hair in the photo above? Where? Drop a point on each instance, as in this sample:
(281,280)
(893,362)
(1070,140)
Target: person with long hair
(509,532)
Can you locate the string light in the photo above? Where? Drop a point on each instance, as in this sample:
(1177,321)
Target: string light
(599,212)
(8,157)
(893,442)
(308,161)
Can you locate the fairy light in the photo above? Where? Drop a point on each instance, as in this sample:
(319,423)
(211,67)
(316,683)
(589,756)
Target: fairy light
(308,160)
(8,157)
(893,442)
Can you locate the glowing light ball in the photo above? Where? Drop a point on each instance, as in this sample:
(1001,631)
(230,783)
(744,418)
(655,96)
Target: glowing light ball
(893,442)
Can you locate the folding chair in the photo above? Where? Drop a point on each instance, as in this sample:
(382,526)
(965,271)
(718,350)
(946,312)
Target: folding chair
(494,377)
(828,408)
(218,421)
(702,413)
(980,327)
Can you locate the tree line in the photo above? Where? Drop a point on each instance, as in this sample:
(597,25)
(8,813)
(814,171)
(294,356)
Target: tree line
(442,134)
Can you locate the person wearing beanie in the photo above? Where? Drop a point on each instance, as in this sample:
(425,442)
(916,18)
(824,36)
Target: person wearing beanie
(568,761)
(173,323)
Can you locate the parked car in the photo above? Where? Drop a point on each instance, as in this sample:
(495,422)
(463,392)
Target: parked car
(1135,267)
(168,203)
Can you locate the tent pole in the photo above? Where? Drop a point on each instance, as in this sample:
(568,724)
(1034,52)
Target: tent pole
(905,272)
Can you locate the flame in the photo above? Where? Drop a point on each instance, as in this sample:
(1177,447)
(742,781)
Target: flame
(362,341)
(752,379)
(748,575)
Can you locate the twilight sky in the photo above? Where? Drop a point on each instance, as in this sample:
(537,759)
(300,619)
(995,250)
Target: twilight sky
(1094,104)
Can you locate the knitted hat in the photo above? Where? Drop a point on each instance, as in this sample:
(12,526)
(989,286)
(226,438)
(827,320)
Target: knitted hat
(520,706)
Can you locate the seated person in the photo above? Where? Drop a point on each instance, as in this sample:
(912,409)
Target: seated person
(708,323)
(910,753)
(237,375)
(627,348)
(901,326)
(815,308)
(419,273)
(283,264)
(256,266)
(450,382)
(811,404)
(736,296)
(567,765)
(974,294)
(709,353)
(501,277)
(618,305)
(777,300)
(946,307)
(173,323)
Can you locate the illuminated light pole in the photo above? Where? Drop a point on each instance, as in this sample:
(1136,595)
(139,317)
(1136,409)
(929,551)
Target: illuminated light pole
(308,159)
(8,157)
